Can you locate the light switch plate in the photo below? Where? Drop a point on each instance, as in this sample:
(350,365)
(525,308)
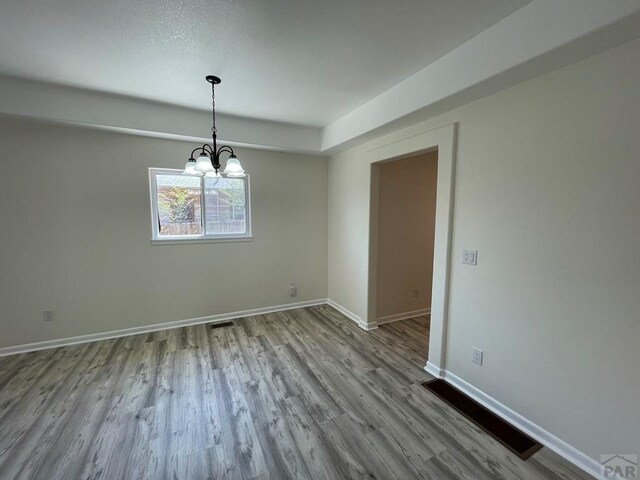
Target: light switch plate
(470,257)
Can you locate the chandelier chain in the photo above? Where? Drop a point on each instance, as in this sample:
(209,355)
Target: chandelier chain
(213,109)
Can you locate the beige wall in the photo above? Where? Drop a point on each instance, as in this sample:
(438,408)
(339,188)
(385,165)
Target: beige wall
(406,222)
(547,190)
(75,235)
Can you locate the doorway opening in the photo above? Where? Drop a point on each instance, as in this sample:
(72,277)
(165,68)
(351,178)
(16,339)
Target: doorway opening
(406,221)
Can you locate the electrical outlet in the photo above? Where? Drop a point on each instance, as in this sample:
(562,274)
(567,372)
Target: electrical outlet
(470,257)
(293,290)
(415,293)
(477,355)
(47,315)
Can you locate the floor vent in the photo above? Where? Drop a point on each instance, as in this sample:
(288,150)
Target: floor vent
(509,436)
(220,325)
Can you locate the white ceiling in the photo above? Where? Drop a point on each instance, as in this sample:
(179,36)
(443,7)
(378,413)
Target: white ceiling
(305,62)
(331,76)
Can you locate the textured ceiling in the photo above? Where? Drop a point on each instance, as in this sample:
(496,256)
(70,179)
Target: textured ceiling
(300,61)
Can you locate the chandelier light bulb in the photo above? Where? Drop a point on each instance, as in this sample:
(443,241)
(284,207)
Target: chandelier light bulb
(190,167)
(203,164)
(234,168)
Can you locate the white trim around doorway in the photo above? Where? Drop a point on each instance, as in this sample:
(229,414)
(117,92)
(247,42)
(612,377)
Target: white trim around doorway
(442,139)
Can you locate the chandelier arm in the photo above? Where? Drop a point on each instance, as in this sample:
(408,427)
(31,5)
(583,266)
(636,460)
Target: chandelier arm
(207,148)
(194,151)
(224,148)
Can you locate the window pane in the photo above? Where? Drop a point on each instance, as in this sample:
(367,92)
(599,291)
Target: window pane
(179,205)
(225,205)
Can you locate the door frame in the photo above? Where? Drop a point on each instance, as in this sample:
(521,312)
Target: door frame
(444,140)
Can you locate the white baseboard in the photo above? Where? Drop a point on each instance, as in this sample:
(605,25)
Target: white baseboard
(546,438)
(402,316)
(434,370)
(349,314)
(222,317)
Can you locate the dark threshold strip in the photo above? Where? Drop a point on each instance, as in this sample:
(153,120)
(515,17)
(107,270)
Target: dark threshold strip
(220,325)
(509,436)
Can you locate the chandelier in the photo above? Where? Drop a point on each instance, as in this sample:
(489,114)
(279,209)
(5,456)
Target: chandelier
(208,162)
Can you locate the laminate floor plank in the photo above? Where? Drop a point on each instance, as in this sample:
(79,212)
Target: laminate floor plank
(322,458)
(298,394)
(376,343)
(247,452)
(29,429)
(317,399)
(280,451)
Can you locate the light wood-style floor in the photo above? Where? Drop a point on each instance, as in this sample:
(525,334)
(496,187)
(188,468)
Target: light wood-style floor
(298,394)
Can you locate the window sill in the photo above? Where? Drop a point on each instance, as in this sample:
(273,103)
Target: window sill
(189,241)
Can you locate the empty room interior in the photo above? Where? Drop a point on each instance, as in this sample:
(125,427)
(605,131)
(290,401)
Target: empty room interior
(319,240)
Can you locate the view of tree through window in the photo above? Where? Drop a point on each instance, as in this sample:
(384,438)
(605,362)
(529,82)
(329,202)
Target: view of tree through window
(199,206)
(179,206)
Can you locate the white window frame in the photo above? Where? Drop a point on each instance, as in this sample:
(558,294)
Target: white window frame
(157,239)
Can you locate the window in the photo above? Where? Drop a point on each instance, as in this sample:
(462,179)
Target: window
(187,209)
